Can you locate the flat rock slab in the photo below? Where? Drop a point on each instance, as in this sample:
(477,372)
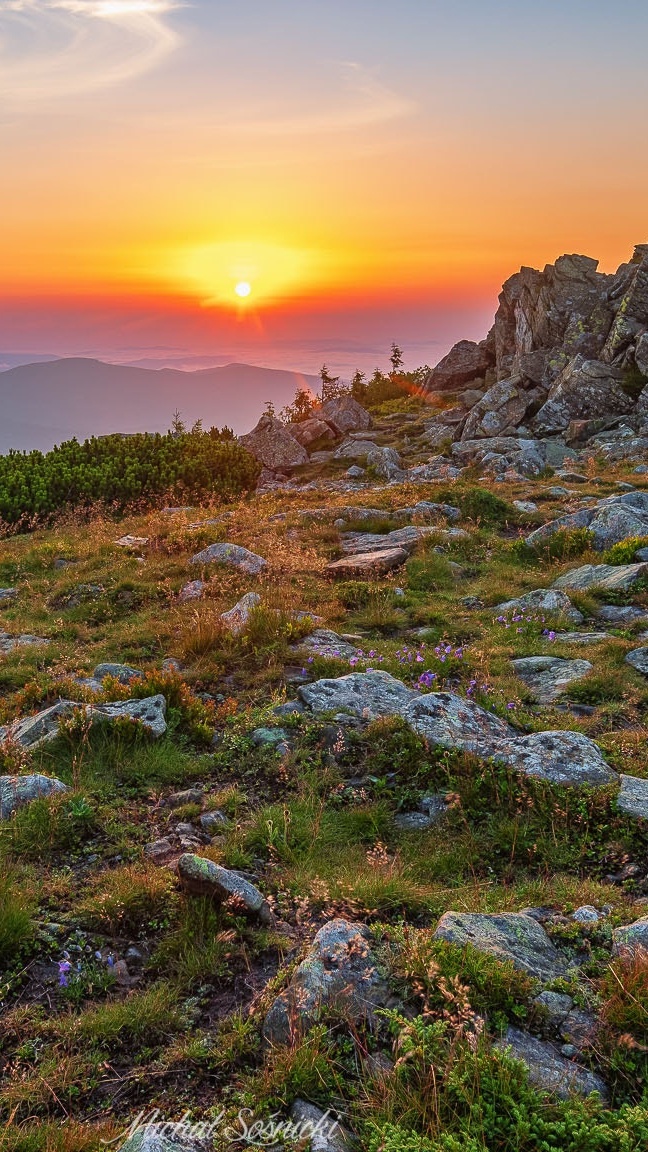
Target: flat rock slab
(606,577)
(233,555)
(323,642)
(35,731)
(204,878)
(638,659)
(509,936)
(237,619)
(633,797)
(132,541)
(407,538)
(366,695)
(548,676)
(16,791)
(581,637)
(542,600)
(367,564)
(340,968)
(565,758)
(548,1070)
(621,616)
(11,643)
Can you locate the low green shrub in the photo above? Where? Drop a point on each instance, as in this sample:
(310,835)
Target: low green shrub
(624,551)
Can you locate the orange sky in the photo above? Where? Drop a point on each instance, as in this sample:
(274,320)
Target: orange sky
(340,158)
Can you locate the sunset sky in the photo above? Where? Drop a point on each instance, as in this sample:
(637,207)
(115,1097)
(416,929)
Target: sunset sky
(372,169)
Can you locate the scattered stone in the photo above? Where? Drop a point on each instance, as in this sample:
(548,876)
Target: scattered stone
(120,672)
(367,564)
(386,463)
(204,878)
(606,577)
(16,791)
(339,968)
(586,914)
(210,821)
(35,731)
(159,851)
(581,637)
(238,617)
(355,472)
(188,796)
(525,506)
(164,1137)
(306,432)
(631,938)
(232,554)
(621,616)
(449,721)
(638,659)
(171,665)
(11,643)
(354,449)
(548,676)
(549,1071)
(132,541)
(346,415)
(323,642)
(7,595)
(633,797)
(193,590)
(272,445)
(321,1131)
(268,737)
(556,1005)
(565,758)
(542,600)
(509,936)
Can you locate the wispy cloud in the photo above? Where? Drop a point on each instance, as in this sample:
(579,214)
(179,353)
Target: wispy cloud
(360,102)
(57,48)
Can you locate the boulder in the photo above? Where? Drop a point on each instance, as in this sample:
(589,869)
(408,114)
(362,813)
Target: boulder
(366,565)
(507,936)
(323,642)
(238,617)
(233,555)
(322,1132)
(345,415)
(581,637)
(308,431)
(633,797)
(638,659)
(11,643)
(16,791)
(501,408)
(584,389)
(604,577)
(542,600)
(386,463)
(465,362)
(354,543)
(201,877)
(272,445)
(565,758)
(548,676)
(631,938)
(366,695)
(449,721)
(621,617)
(36,731)
(120,672)
(548,1070)
(352,449)
(340,971)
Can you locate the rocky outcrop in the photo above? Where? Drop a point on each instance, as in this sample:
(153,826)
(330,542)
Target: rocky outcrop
(272,445)
(344,414)
(308,431)
(463,364)
(609,521)
(35,731)
(509,936)
(584,389)
(541,600)
(499,412)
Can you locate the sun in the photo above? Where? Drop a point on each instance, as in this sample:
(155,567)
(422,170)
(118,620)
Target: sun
(243,289)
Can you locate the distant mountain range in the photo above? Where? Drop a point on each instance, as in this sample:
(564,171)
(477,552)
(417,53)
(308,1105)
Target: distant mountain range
(45,403)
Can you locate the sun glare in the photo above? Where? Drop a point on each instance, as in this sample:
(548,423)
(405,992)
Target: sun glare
(220,271)
(243,289)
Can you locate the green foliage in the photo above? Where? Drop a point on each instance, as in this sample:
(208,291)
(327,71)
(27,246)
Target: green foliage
(477,504)
(301,408)
(564,544)
(122,471)
(624,551)
(354,594)
(429,573)
(371,393)
(16,912)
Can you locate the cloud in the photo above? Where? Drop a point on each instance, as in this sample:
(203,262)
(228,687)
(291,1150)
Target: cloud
(365,102)
(57,48)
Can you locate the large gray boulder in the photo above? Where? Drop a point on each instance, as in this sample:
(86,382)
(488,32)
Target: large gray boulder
(355,543)
(449,721)
(465,362)
(633,797)
(507,936)
(233,555)
(386,463)
(540,601)
(609,521)
(36,731)
(345,414)
(202,877)
(340,970)
(548,676)
(603,577)
(501,408)
(631,938)
(354,449)
(308,431)
(548,1070)
(566,758)
(584,389)
(16,791)
(272,445)
(367,695)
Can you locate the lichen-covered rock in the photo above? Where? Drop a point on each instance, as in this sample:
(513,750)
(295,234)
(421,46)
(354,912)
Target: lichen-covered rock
(306,432)
(507,936)
(365,565)
(606,577)
(16,791)
(631,938)
(633,797)
(167,1136)
(238,617)
(638,659)
(357,543)
(233,555)
(339,970)
(272,445)
(35,731)
(192,590)
(322,1131)
(542,600)
(386,463)
(548,1070)
(202,877)
(465,362)
(120,672)
(150,713)
(609,521)
(501,408)
(345,414)
(7,595)
(354,449)
(566,758)
(548,676)
(9,643)
(585,388)
(323,642)
(366,695)
(449,721)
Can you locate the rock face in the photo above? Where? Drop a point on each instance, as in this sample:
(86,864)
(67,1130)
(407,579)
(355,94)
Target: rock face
(548,676)
(609,521)
(606,577)
(308,431)
(345,415)
(549,1071)
(464,363)
(35,731)
(16,791)
(633,797)
(585,388)
(272,445)
(232,554)
(499,412)
(238,616)
(367,695)
(510,936)
(204,878)
(339,970)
